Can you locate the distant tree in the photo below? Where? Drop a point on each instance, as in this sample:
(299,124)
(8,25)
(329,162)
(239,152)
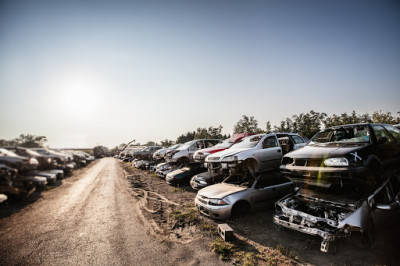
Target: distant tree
(100,152)
(210,133)
(186,137)
(306,124)
(268,127)
(167,143)
(151,143)
(30,141)
(246,125)
(380,117)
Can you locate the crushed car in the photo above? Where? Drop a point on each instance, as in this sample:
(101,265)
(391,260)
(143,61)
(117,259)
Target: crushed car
(238,194)
(350,183)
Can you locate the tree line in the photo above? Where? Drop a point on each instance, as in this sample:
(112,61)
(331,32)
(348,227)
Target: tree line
(306,124)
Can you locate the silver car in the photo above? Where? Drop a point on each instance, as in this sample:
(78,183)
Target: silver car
(237,195)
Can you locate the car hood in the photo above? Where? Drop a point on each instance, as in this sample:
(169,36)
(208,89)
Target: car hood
(210,150)
(228,152)
(219,191)
(324,151)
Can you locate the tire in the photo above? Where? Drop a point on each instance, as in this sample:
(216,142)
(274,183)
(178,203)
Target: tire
(240,209)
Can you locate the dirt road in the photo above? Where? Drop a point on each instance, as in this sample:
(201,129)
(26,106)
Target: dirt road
(90,219)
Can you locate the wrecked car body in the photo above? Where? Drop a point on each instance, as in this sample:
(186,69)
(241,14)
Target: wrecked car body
(333,213)
(146,153)
(184,154)
(160,154)
(182,175)
(237,195)
(254,154)
(205,179)
(349,175)
(200,155)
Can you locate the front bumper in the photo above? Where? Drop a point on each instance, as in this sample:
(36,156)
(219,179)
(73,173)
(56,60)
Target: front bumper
(214,212)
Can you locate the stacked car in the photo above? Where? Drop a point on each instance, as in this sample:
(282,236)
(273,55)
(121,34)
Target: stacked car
(344,183)
(22,170)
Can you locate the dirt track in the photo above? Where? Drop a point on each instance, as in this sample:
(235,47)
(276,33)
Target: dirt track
(90,219)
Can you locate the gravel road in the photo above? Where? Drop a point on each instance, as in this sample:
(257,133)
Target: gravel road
(90,219)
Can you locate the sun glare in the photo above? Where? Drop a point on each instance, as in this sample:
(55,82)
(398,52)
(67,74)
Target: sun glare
(80,97)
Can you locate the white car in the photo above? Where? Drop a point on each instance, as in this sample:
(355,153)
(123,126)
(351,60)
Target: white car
(257,153)
(184,154)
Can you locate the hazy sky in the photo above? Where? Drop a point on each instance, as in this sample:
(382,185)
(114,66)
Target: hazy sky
(85,73)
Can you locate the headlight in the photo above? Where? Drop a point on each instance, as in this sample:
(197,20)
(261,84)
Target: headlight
(33,161)
(340,161)
(48,160)
(202,182)
(229,159)
(217,202)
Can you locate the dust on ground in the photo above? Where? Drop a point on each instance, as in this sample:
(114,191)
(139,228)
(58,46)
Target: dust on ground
(171,214)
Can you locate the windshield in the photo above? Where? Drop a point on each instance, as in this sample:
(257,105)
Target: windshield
(248,142)
(186,145)
(5,152)
(240,180)
(175,146)
(346,134)
(225,144)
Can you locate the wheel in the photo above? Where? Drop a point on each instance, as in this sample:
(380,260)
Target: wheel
(240,209)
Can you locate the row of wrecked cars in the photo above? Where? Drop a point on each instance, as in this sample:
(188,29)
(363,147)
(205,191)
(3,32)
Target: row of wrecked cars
(344,183)
(23,170)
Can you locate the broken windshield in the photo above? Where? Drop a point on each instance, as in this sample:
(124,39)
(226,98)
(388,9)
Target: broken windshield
(347,134)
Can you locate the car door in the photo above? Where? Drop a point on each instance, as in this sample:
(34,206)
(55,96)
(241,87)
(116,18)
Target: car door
(385,209)
(384,147)
(268,188)
(269,155)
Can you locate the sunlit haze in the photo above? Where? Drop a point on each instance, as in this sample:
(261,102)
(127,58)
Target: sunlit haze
(86,73)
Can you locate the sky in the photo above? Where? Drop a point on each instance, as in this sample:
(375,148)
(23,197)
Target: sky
(86,73)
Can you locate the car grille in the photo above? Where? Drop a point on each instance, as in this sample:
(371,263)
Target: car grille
(303,162)
(202,201)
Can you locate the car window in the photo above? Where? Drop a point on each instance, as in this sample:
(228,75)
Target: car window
(270,142)
(209,143)
(394,131)
(384,196)
(297,139)
(270,180)
(380,132)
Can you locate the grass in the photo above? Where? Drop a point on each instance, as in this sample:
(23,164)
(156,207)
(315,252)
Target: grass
(225,250)
(188,216)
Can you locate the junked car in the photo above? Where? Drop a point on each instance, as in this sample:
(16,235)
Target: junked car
(359,153)
(200,155)
(238,194)
(254,154)
(160,154)
(182,175)
(184,154)
(146,153)
(347,171)
(343,212)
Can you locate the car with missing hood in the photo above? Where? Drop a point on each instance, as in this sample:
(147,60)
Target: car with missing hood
(350,183)
(254,154)
(237,195)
